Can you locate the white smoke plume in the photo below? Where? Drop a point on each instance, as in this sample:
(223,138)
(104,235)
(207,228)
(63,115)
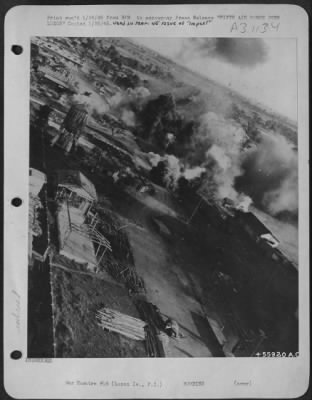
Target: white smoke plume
(154,158)
(285,197)
(122,99)
(193,173)
(225,170)
(170,138)
(123,104)
(128,118)
(174,171)
(93,101)
(266,174)
(221,140)
(243,202)
(270,174)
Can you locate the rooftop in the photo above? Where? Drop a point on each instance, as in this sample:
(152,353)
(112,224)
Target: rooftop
(250,219)
(77,182)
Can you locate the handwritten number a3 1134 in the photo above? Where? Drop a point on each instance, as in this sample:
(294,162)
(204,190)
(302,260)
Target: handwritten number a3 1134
(244,27)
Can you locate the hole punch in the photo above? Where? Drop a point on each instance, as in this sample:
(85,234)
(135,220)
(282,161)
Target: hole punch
(16,355)
(16,202)
(17,49)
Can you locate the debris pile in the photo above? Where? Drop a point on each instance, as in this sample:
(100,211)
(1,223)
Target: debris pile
(109,226)
(123,324)
(155,324)
(153,344)
(126,275)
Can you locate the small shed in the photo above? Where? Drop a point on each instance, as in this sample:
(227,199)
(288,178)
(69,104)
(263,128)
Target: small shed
(78,190)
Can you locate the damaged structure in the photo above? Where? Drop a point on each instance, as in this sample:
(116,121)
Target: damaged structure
(71,128)
(78,190)
(78,238)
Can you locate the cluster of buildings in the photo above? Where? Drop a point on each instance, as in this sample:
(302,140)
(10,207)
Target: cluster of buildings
(73,61)
(54,70)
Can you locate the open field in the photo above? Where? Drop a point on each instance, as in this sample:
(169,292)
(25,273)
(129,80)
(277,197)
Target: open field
(76,299)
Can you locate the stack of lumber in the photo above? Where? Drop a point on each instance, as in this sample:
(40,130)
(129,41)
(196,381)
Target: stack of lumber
(123,324)
(127,276)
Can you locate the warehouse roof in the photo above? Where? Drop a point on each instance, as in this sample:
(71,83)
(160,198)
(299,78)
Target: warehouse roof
(251,220)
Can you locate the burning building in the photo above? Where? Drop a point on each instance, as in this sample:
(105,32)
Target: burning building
(71,128)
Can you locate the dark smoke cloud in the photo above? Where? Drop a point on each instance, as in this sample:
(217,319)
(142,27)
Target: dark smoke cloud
(242,52)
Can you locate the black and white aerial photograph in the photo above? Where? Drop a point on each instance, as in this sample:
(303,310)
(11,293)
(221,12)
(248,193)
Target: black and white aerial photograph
(163,198)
